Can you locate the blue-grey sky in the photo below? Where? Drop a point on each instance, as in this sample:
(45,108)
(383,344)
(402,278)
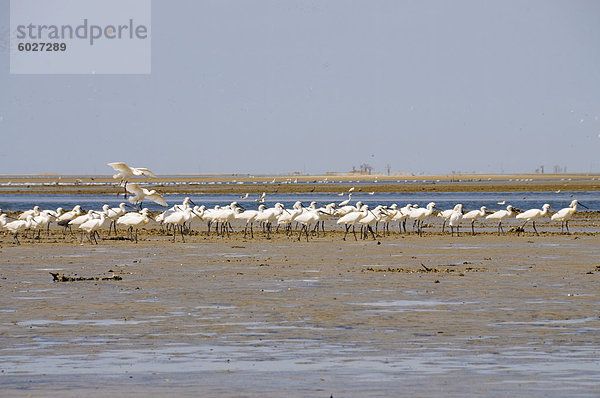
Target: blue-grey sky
(315,86)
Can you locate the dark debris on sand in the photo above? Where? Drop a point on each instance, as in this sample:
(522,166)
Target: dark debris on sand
(68,278)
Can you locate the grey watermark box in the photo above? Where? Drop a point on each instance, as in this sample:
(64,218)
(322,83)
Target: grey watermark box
(80,37)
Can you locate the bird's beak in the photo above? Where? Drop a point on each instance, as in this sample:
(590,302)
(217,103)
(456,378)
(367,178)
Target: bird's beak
(583,205)
(242,207)
(192,202)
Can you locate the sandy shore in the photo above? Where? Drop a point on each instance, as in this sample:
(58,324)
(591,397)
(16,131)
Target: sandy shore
(476,315)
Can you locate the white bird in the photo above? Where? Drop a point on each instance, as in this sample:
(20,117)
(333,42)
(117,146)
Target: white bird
(501,215)
(19,225)
(350,219)
(564,215)
(371,218)
(248,216)
(446,214)
(420,214)
(244,196)
(287,218)
(502,203)
(455,219)
(135,221)
(342,211)
(341,194)
(473,215)
(178,219)
(261,198)
(308,217)
(372,193)
(3,219)
(34,212)
(345,202)
(64,219)
(351,189)
(125,172)
(113,215)
(402,215)
(42,221)
(92,226)
(140,194)
(532,215)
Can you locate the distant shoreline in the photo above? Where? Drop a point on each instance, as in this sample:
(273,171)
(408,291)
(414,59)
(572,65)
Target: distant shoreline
(190,184)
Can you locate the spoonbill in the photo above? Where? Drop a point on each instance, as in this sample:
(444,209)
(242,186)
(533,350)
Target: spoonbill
(261,198)
(64,219)
(92,226)
(532,215)
(421,214)
(19,225)
(125,172)
(142,193)
(345,202)
(473,215)
(350,219)
(501,215)
(455,218)
(564,215)
(446,214)
(135,221)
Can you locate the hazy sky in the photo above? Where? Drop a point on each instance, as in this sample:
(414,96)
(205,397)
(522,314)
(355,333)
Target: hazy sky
(315,86)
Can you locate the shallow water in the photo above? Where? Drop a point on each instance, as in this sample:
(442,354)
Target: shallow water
(443,200)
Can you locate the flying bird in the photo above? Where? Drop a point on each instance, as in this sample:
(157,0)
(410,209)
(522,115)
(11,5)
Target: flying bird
(244,196)
(125,172)
(261,199)
(140,194)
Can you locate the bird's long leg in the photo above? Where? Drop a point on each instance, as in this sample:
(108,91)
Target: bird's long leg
(300,234)
(473,227)
(536,232)
(458,230)
(347,229)
(136,232)
(567,225)
(443,225)
(245,230)
(371,229)
(251,231)
(354,232)
(306,229)
(182,238)
(323,227)
(16,240)
(522,227)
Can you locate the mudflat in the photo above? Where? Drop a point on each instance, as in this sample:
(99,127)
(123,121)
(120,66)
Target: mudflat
(422,316)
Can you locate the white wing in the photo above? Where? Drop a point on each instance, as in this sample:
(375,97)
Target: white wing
(157,198)
(142,171)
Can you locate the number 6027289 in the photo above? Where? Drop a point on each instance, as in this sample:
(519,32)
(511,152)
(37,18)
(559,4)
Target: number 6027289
(42,46)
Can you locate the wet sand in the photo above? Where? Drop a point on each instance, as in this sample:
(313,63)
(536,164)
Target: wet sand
(401,315)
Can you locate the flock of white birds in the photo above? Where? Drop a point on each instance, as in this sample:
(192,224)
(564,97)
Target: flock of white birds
(306,219)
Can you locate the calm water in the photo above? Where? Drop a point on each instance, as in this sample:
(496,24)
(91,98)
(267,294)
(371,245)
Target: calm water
(443,200)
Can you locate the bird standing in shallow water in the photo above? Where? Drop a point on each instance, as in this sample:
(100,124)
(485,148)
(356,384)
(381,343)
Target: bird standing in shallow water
(564,215)
(532,215)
